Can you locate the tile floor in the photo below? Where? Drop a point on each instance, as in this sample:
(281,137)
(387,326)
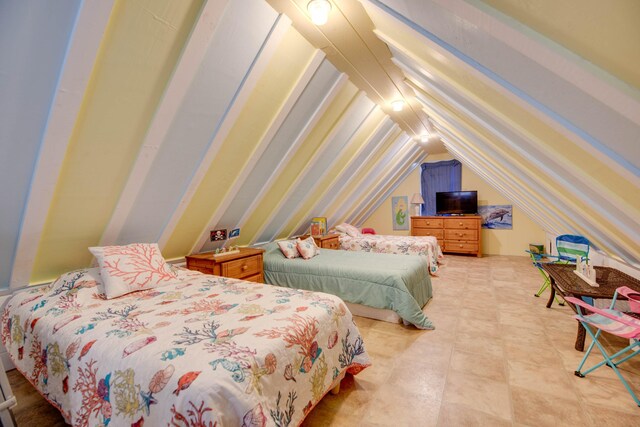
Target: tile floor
(498,357)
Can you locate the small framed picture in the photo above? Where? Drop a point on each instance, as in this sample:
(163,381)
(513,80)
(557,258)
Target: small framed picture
(234,233)
(318,226)
(218,235)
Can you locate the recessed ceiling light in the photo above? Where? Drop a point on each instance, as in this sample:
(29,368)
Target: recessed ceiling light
(424,137)
(397,105)
(319,11)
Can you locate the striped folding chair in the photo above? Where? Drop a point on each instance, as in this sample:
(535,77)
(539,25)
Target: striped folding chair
(569,248)
(614,322)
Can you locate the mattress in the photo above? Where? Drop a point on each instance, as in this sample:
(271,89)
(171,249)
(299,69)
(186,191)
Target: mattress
(206,351)
(426,246)
(397,282)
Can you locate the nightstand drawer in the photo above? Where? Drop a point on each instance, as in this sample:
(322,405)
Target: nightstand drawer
(256,278)
(242,268)
(427,222)
(331,244)
(461,234)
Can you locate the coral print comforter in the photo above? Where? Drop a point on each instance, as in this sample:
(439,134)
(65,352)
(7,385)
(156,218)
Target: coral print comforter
(208,351)
(388,244)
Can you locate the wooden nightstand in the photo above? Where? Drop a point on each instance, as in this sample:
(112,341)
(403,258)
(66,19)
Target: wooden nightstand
(245,265)
(328,241)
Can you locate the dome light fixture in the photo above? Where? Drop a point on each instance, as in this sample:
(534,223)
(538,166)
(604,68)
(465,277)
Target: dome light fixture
(397,105)
(319,11)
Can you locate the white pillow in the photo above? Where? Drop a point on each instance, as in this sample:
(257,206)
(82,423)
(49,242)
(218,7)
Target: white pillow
(131,268)
(289,248)
(307,248)
(348,229)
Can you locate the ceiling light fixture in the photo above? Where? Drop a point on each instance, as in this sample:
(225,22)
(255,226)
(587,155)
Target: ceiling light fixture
(319,11)
(424,137)
(397,105)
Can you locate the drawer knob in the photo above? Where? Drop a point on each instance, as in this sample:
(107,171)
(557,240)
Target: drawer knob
(428,223)
(460,223)
(244,267)
(460,234)
(460,245)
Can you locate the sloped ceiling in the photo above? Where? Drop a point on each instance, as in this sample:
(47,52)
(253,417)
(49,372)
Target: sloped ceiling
(158,120)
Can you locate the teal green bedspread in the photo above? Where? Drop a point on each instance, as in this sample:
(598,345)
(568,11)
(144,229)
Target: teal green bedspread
(396,282)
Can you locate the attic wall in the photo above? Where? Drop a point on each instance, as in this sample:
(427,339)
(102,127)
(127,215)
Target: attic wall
(159,121)
(494,242)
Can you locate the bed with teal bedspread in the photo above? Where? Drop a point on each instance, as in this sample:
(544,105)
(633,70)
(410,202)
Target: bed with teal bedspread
(396,282)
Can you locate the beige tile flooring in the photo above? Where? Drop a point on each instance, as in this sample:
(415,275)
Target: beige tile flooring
(498,357)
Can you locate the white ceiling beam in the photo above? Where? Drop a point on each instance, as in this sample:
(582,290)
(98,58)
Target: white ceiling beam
(354,108)
(84,44)
(293,149)
(297,90)
(402,175)
(353,168)
(258,67)
(178,86)
(625,165)
(372,177)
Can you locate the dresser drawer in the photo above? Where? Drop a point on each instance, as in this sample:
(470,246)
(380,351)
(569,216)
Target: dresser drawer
(461,234)
(437,233)
(461,223)
(450,246)
(427,222)
(244,267)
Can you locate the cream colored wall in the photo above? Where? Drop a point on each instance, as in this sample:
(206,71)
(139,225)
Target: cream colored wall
(494,242)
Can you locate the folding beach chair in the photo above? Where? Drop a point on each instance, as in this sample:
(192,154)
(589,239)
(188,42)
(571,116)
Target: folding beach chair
(613,322)
(569,248)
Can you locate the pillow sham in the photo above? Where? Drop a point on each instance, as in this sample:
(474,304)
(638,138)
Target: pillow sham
(307,248)
(289,248)
(348,229)
(131,268)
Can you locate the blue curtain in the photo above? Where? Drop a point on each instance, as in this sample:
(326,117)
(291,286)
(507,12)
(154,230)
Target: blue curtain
(436,177)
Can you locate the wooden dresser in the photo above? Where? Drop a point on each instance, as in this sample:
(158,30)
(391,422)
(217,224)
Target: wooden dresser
(455,234)
(246,265)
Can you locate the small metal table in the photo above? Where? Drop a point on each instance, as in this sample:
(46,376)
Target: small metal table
(567,283)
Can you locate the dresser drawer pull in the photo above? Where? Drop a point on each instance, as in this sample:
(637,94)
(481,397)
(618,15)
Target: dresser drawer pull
(460,224)
(428,223)
(245,267)
(460,245)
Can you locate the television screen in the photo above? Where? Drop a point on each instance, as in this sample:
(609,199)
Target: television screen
(457,202)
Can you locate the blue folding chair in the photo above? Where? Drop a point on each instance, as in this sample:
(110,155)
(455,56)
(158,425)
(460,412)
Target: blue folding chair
(569,248)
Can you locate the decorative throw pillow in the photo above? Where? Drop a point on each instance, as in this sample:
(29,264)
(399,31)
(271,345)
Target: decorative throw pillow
(307,248)
(289,248)
(73,280)
(131,268)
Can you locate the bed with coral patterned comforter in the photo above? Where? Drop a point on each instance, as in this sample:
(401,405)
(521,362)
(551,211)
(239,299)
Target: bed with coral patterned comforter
(206,351)
(388,244)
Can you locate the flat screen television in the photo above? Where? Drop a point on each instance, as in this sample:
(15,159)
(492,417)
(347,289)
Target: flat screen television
(457,203)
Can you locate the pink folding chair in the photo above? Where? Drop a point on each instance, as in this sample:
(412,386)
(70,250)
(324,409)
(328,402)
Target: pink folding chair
(614,322)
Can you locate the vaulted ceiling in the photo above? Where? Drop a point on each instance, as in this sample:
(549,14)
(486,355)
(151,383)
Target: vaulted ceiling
(157,120)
